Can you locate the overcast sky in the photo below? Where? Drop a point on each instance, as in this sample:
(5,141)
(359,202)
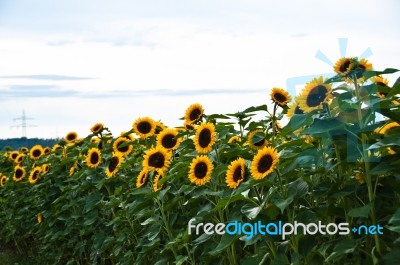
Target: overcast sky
(72,63)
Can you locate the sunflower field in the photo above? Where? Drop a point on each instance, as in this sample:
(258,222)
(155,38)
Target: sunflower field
(128,198)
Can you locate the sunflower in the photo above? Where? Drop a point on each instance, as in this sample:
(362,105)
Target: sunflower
(294,109)
(144,127)
(344,65)
(257,144)
(34,175)
(235,173)
(168,139)
(200,170)
(113,165)
(39,218)
(19,173)
(362,66)
(3,180)
(142,177)
(55,148)
(36,152)
(122,146)
(13,155)
(280,96)
(45,168)
(93,158)
(188,126)
(97,128)
(71,137)
(359,177)
(264,162)
(73,168)
(205,138)
(194,113)
(380,81)
(314,94)
(234,139)
(156,187)
(385,129)
(157,158)
(24,149)
(19,158)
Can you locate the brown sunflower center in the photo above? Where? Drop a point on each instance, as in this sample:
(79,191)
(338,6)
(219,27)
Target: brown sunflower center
(113,163)
(121,147)
(237,174)
(94,158)
(19,173)
(168,141)
(200,170)
(157,160)
(316,96)
(35,175)
(144,127)
(36,153)
(260,143)
(97,128)
(71,137)
(204,138)
(345,65)
(14,155)
(3,180)
(195,114)
(280,97)
(264,164)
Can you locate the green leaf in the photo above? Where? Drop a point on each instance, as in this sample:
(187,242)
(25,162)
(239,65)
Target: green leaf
(181,259)
(297,121)
(91,201)
(323,126)
(226,241)
(360,211)
(90,218)
(283,203)
(394,222)
(369,74)
(343,247)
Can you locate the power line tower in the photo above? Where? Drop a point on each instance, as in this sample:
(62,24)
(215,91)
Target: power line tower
(23,124)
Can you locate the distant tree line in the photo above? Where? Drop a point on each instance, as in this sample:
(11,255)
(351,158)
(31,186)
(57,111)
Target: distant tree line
(16,143)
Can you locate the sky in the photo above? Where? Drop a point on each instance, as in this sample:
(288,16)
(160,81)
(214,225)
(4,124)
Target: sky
(72,63)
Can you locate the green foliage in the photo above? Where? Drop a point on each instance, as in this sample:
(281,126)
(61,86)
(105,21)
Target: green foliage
(337,164)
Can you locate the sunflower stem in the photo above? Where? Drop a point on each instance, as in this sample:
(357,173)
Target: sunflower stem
(365,160)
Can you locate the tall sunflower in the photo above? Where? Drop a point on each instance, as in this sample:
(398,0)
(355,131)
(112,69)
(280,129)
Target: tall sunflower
(113,165)
(234,139)
(36,152)
(157,158)
(264,162)
(34,175)
(205,138)
(93,158)
(200,170)
(144,127)
(24,149)
(142,177)
(122,146)
(294,109)
(3,180)
(280,96)
(194,113)
(362,66)
(235,173)
(19,173)
(97,128)
(257,144)
(344,65)
(314,95)
(71,137)
(168,139)
(46,150)
(45,168)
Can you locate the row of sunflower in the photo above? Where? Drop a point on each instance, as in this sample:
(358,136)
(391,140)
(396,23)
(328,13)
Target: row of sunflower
(128,199)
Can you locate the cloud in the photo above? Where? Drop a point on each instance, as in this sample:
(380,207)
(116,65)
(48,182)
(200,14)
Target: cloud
(47,77)
(36,91)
